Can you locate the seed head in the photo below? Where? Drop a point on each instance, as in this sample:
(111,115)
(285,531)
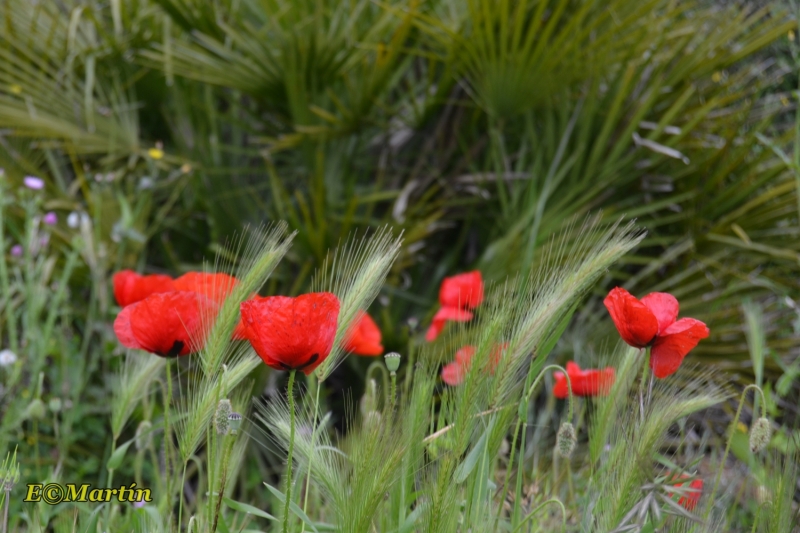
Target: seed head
(234,422)
(760,434)
(224,411)
(37,409)
(565,440)
(144,437)
(392,360)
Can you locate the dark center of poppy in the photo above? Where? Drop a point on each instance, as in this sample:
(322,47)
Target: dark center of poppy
(177,346)
(311,361)
(652,341)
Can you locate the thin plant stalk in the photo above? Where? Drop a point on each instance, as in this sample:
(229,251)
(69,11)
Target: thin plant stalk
(313,444)
(288,500)
(540,507)
(167,440)
(393,393)
(730,439)
(227,448)
(5,510)
(180,495)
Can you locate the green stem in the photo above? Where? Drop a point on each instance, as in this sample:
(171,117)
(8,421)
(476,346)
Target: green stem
(227,447)
(393,394)
(290,395)
(641,382)
(168,442)
(5,512)
(313,445)
(730,439)
(508,473)
(541,506)
(180,496)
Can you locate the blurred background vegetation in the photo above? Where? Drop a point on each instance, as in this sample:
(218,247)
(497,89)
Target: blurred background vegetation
(479,128)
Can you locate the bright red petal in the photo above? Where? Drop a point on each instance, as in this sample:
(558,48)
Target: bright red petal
(364,337)
(692,497)
(442,316)
(596,382)
(560,390)
(130,287)
(171,324)
(464,354)
(239,333)
(674,343)
(122,327)
(292,333)
(665,308)
(636,324)
(463,291)
(216,286)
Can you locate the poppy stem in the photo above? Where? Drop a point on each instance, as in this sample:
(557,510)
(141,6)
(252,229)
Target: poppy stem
(730,440)
(317,386)
(393,393)
(290,396)
(641,382)
(168,441)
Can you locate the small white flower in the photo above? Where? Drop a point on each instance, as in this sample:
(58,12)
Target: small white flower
(74,220)
(7,357)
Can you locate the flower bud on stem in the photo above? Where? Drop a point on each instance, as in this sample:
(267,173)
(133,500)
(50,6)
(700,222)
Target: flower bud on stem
(759,433)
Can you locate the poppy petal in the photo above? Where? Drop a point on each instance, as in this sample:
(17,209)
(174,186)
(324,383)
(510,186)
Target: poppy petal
(292,333)
(674,343)
(442,316)
(216,286)
(561,389)
(462,291)
(453,374)
(364,337)
(122,327)
(131,287)
(171,324)
(665,308)
(636,324)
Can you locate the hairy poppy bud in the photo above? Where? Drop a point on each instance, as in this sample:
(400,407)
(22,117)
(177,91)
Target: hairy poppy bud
(234,422)
(760,434)
(36,409)
(224,411)
(565,440)
(144,437)
(392,360)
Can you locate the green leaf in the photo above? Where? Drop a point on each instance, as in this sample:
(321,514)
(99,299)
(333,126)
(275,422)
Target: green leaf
(293,506)
(246,508)
(116,458)
(468,465)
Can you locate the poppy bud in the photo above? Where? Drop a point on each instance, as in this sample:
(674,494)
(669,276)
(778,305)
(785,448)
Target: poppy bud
(54,404)
(221,417)
(760,434)
(234,422)
(392,360)
(565,440)
(36,409)
(144,437)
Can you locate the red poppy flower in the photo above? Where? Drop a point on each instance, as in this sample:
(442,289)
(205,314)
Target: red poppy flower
(455,372)
(584,382)
(689,501)
(652,321)
(458,295)
(292,333)
(216,286)
(130,287)
(364,337)
(168,324)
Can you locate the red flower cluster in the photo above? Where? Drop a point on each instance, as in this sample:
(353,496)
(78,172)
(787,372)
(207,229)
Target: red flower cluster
(458,295)
(165,316)
(455,372)
(584,382)
(653,322)
(364,337)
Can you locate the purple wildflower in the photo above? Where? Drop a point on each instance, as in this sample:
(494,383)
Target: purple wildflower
(16,250)
(32,182)
(51,219)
